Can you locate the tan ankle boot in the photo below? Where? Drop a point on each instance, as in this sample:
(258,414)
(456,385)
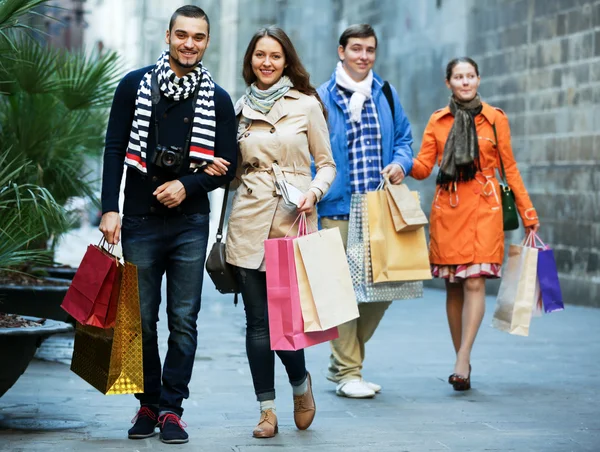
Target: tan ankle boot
(267,426)
(304,407)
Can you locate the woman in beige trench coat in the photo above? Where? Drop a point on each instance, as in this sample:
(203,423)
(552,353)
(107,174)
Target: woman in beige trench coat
(281,127)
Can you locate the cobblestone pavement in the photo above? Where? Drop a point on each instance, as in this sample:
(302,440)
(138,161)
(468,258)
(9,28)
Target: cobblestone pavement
(530,394)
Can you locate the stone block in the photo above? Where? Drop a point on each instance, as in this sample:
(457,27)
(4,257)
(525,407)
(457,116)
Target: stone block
(561,24)
(581,46)
(564,50)
(564,260)
(580,290)
(596,91)
(580,19)
(594,70)
(595,234)
(586,153)
(596,15)
(544,28)
(563,233)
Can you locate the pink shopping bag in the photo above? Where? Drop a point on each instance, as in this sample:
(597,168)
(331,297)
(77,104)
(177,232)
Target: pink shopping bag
(286,326)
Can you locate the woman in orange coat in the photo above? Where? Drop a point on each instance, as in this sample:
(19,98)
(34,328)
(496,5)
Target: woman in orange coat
(466,228)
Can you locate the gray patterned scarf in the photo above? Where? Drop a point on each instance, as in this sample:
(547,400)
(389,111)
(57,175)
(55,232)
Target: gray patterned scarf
(460,161)
(263,100)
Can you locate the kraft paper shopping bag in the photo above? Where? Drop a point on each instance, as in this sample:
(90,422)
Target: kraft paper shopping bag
(395,256)
(405,208)
(518,292)
(327,296)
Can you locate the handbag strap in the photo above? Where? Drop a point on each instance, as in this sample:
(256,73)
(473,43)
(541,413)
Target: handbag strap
(222,219)
(387,92)
(499,155)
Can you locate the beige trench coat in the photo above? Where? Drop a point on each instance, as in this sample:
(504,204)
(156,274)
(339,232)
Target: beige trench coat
(294,130)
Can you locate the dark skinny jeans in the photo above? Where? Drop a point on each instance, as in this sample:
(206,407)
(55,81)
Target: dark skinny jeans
(253,287)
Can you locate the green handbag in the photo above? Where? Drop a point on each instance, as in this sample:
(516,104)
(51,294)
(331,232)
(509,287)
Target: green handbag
(510,215)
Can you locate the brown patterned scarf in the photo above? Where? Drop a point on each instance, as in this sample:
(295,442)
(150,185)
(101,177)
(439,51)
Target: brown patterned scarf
(460,161)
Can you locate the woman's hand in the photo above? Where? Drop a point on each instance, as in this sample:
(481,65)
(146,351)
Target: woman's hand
(533,228)
(217,168)
(307,202)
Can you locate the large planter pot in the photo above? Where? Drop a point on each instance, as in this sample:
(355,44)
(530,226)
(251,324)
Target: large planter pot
(58,271)
(35,300)
(18,345)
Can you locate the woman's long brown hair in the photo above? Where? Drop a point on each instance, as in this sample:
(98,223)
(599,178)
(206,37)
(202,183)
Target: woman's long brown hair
(294,68)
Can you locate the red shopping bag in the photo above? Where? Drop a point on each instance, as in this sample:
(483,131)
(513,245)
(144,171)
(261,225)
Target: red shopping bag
(93,295)
(286,326)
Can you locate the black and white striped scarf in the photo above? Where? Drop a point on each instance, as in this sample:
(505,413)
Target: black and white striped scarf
(202,143)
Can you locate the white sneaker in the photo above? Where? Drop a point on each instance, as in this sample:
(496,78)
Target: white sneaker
(355,389)
(374,386)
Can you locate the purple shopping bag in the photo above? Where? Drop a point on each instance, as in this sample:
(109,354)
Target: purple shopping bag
(548,280)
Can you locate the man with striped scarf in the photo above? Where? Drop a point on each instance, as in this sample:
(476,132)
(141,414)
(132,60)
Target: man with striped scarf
(175,130)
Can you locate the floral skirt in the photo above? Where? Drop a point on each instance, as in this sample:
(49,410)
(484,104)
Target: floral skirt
(455,273)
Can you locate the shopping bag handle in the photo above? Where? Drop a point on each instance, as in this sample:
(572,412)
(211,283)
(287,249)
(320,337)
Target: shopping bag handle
(303,226)
(108,247)
(532,240)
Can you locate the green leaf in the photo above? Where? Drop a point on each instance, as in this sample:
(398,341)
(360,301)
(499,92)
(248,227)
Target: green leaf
(88,81)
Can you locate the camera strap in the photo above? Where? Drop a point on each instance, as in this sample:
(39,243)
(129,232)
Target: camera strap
(156,99)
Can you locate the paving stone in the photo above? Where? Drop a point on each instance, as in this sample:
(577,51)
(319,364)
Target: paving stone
(529,394)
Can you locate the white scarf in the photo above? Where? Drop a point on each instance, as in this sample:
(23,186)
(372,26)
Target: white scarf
(361,91)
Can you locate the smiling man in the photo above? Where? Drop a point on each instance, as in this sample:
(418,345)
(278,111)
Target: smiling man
(370,138)
(175,130)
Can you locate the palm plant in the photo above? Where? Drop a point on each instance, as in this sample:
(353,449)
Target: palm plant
(54,114)
(52,119)
(52,108)
(14,14)
(27,212)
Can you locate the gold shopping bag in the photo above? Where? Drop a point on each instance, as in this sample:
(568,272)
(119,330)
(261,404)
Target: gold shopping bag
(327,296)
(111,359)
(518,292)
(405,208)
(395,256)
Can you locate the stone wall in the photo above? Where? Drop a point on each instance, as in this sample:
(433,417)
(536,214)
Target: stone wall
(539,61)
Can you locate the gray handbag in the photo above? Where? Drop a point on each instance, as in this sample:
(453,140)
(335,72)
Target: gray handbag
(222,273)
(359,259)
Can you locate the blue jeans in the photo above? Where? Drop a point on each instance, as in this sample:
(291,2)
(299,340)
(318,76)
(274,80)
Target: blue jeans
(175,245)
(253,287)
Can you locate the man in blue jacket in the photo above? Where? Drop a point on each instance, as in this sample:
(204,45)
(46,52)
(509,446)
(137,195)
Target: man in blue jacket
(175,130)
(369,139)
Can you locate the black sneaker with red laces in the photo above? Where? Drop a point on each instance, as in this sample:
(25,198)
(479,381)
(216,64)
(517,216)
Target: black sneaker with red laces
(144,423)
(172,429)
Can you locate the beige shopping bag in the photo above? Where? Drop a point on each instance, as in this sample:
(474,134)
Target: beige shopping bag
(395,256)
(405,208)
(327,297)
(518,293)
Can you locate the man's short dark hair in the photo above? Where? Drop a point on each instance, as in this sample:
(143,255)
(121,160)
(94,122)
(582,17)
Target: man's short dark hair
(189,11)
(357,31)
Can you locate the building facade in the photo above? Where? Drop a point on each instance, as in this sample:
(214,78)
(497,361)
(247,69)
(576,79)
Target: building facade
(539,61)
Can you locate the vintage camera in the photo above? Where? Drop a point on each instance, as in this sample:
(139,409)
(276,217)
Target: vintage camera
(169,158)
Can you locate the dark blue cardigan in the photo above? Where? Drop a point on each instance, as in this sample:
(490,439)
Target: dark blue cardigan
(175,120)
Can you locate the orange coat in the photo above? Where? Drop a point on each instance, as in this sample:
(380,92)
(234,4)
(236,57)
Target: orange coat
(466,223)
